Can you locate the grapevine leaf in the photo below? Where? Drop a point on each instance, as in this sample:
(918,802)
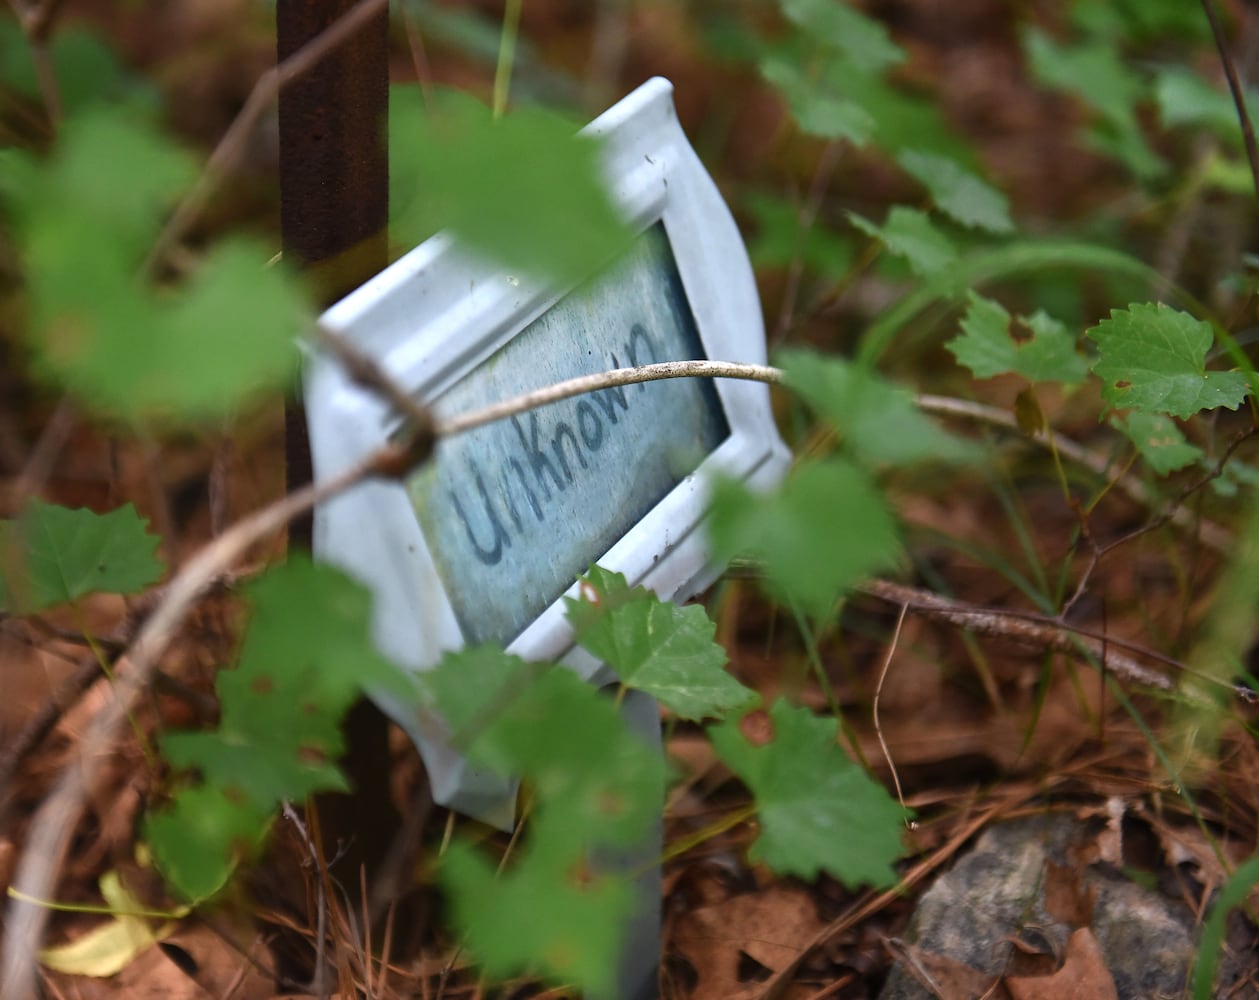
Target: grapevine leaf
(51,555)
(793,531)
(198,842)
(306,657)
(264,767)
(877,420)
(817,809)
(862,41)
(656,646)
(592,776)
(818,110)
(542,915)
(1184,98)
(550,215)
(1096,74)
(1159,440)
(909,233)
(97,327)
(986,347)
(957,192)
(1153,358)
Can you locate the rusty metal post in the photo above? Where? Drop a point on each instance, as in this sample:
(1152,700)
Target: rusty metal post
(334,204)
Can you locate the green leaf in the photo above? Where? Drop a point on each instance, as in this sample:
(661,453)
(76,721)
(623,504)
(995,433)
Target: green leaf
(986,347)
(542,916)
(1092,71)
(1159,440)
(98,328)
(820,533)
(1236,892)
(861,40)
(878,421)
(817,809)
(306,657)
(957,192)
(596,781)
(200,839)
(909,233)
(656,646)
(264,767)
(817,110)
(1184,98)
(1153,358)
(52,555)
(525,189)
(1095,73)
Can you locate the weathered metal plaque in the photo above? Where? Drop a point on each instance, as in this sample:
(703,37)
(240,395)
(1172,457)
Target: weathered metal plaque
(517,510)
(483,544)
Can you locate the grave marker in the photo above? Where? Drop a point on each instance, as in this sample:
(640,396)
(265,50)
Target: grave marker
(482,544)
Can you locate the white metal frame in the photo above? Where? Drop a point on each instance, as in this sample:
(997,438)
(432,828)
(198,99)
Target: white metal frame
(434,316)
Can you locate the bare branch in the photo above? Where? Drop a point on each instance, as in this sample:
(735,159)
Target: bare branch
(1041,632)
(54,824)
(235,139)
(1212,534)
(606,380)
(1235,88)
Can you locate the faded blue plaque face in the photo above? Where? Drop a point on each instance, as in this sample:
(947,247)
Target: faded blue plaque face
(514,512)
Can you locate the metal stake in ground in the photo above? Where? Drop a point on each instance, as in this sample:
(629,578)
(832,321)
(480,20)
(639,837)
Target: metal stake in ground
(334,203)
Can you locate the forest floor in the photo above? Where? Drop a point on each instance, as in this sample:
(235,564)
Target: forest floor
(980,729)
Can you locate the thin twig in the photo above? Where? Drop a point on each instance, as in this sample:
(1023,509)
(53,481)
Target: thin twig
(605,380)
(55,822)
(236,138)
(1041,632)
(1212,534)
(822,175)
(367,373)
(1235,88)
(878,693)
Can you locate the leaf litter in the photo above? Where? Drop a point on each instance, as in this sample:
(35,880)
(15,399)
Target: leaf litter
(964,756)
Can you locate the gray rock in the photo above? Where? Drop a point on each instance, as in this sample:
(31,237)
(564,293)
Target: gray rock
(998,892)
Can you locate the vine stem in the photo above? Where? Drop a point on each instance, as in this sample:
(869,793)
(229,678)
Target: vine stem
(1235,88)
(605,380)
(56,820)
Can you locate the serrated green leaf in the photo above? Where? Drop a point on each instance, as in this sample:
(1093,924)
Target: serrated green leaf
(1184,98)
(1153,358)
(656,646)
(820,533)
(97,327)
(957,192)
(1159,440)
(264,767)
(590,774)
(550,215)
(909,233)
(1095,73)
(817,110)
(200,839)
(817,809)
(542,916)
(986,347)
(878,421)
(52,555)
(307,656)
(861,40)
